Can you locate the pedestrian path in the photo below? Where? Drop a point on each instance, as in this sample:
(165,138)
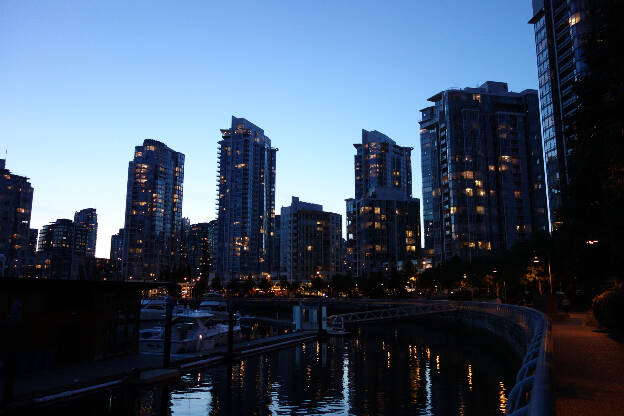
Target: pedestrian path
(588,368)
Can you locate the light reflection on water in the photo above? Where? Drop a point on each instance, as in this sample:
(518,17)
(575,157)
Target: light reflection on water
(392,369)
(411,371)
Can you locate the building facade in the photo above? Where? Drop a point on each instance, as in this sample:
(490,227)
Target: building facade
(16,195)
(245,201)
(310,242)
(482,166)
(383,232)
(85,233)
(201,249)
(560,26)
(383,220)
(153,219)
(380,163)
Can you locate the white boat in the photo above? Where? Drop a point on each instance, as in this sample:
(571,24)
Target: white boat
(153,309)
(191,331)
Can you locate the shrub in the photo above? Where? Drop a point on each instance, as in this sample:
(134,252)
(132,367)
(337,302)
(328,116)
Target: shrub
(608,308)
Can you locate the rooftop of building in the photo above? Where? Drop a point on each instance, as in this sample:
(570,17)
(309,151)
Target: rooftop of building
(487,88)
(376,136)
(4,170)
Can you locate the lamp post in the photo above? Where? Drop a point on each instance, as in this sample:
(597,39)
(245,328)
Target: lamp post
(537,260)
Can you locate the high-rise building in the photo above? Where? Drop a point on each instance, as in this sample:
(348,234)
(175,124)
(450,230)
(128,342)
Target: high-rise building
(275,247)
(85,234)
(482,166)
(381,163)
(116,253)
(33,237)
(560,27)
(201,245)
(153,221)
(383,232)
(245,200)
(57,237)
(383,220)
(16,196)
(55,251)
(310,242)
(117,245)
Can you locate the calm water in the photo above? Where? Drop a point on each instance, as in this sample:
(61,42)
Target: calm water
(398,368)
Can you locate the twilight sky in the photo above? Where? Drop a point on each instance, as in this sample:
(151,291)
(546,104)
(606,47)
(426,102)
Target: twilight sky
(83,82)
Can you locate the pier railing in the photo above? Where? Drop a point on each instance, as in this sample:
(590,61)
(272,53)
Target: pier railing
(532,393)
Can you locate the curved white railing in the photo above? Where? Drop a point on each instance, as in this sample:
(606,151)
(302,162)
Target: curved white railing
(533,392)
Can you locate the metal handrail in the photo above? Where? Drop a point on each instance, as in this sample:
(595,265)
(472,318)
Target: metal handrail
(533,392)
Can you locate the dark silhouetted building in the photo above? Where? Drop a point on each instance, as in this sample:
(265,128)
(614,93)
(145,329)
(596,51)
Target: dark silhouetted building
(201,248)
(383,220)
(482,166)
(245,200)
(275,247)
(55,250)
(85,233)
(16,196)
(153,221)
(310,242)
(560,27)
(116,252)
(33,237)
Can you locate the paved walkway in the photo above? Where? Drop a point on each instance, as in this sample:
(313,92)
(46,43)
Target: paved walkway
(589,368)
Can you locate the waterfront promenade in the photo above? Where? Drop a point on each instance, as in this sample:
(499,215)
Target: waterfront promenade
(589,368)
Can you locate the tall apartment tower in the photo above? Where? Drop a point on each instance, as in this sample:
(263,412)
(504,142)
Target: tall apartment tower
(560,26)
(245,200)
(85,235)
(482,167)
(310,242)
(383,220)
(16,196)
(275,247)
(201,243)
(380,163)
(153,222)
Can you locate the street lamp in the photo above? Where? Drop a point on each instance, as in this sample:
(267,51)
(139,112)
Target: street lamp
(537,260)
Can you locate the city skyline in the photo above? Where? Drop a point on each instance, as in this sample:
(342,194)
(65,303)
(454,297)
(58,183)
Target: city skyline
(83,105)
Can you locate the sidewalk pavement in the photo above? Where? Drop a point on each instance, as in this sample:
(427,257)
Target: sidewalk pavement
(588,368)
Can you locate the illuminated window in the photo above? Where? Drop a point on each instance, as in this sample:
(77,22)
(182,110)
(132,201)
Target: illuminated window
(309,248)
(575,18)
(377,210)
(480,210)
(492,167)
(453,210)
(517,194)
(469,191)
(476,97)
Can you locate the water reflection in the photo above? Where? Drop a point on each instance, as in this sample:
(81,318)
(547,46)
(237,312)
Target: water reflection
(392,369)
(401,370)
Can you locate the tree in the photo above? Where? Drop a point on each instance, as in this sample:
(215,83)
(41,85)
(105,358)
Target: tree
(248,285)
(264,285)
(342,284)
(319,284)
(216,284)
(535,273)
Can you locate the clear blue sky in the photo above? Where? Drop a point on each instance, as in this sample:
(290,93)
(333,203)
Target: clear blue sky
(83,82)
